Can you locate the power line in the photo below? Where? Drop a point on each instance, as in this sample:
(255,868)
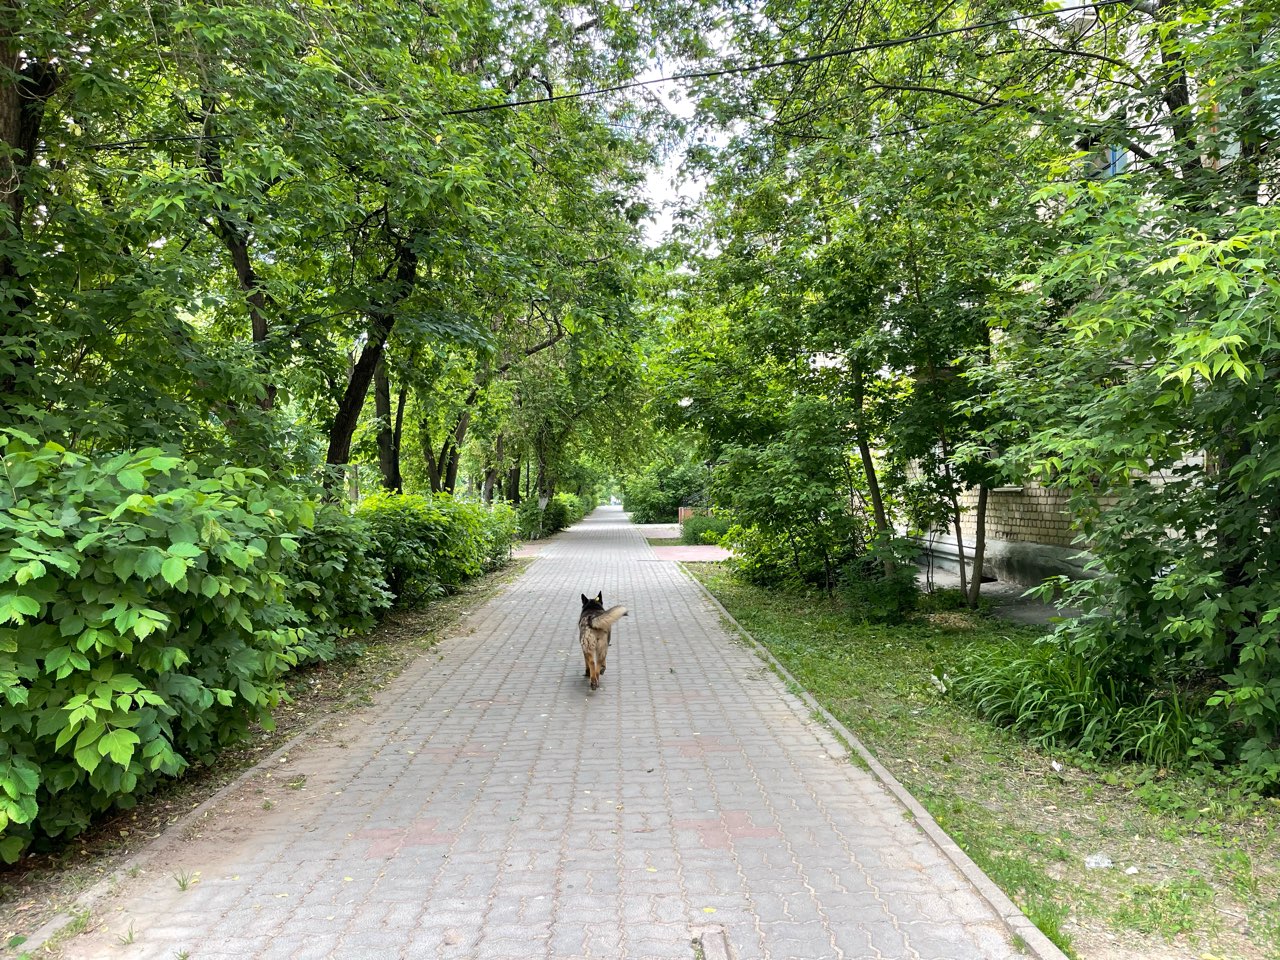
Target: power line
(141,143)
(756,67)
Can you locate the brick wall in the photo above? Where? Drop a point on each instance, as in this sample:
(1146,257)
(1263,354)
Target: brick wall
(1026,514)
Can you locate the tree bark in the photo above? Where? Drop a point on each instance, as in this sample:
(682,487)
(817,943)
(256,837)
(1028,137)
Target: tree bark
(381,323)
(397,432)
(455,450)
(388,446)
(879,515)
(511,486)
(235,239)
(491,473)
(979,547)
(23,98)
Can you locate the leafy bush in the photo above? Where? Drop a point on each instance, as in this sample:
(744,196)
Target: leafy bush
(766,561)
(1058,699)
(563,510)
(880,586)
(145,620)
(428,546)
(794,491)
(529,520)
(336,579)
(703,529)
(498,528)
(656,495)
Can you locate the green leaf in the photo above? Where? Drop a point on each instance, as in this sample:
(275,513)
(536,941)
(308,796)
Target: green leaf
(173,570)
(119,744)
(10,850)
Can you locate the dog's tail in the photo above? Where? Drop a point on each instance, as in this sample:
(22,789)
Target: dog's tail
(603,621)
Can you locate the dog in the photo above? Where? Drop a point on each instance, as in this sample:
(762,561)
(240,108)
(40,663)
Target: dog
(594,626)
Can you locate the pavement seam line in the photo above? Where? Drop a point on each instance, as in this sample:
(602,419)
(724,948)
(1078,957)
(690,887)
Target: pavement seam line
(1040,946)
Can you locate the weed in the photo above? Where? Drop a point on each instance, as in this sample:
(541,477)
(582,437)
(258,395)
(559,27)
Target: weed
(296,783)
(1170,908)
(185,878)
(128,936)
(79,924)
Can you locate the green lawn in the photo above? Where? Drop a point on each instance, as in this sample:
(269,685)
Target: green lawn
(1195,869)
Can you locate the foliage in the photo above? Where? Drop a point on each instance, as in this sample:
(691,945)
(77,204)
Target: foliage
(1059,700)
(763,560)
(656,494)
(427,546)
(702,528)
(1045,246)
(562,511)
(881,586)
(147,620)
(336,579)
(1157,388)
(795,490)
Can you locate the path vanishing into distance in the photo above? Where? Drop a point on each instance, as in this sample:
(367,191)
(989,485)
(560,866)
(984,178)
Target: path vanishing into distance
(489,806)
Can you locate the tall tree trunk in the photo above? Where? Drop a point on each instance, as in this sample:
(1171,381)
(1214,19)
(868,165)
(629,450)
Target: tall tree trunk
(234,236)
(880,516)
(955,511)
(24,94)
(491,473)
(955,519)
(397,432)
(433,465)
(511,486)
(388,448)
(455,450)
(381,323)
(979,547)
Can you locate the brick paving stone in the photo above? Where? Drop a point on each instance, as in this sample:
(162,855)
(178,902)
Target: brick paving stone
(489,805)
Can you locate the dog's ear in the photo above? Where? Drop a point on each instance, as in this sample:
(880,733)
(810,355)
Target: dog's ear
(585,601)
(600,598)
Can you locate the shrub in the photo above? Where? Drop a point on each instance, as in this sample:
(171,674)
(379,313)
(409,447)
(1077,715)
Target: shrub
(656,495)
(880,586)
(336,579)
(529,520)
(766,561)
(563,510)
(703,529)
(498,528)
(428,546)
(145,620)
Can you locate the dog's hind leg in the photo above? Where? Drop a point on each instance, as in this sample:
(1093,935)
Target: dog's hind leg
(593,663)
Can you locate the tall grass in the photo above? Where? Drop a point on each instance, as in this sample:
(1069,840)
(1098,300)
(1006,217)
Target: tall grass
(1057,699)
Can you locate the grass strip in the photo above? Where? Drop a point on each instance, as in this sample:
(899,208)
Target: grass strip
(1193,867)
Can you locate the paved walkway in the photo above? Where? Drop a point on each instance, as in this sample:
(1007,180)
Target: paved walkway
(490,806)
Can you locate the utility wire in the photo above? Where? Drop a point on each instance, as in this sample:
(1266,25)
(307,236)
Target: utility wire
(140,143)
(774,64)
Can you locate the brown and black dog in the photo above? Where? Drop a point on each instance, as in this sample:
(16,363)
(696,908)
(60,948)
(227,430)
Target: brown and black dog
(593,632)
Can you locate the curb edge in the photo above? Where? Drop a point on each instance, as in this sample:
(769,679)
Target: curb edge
(1039,945)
